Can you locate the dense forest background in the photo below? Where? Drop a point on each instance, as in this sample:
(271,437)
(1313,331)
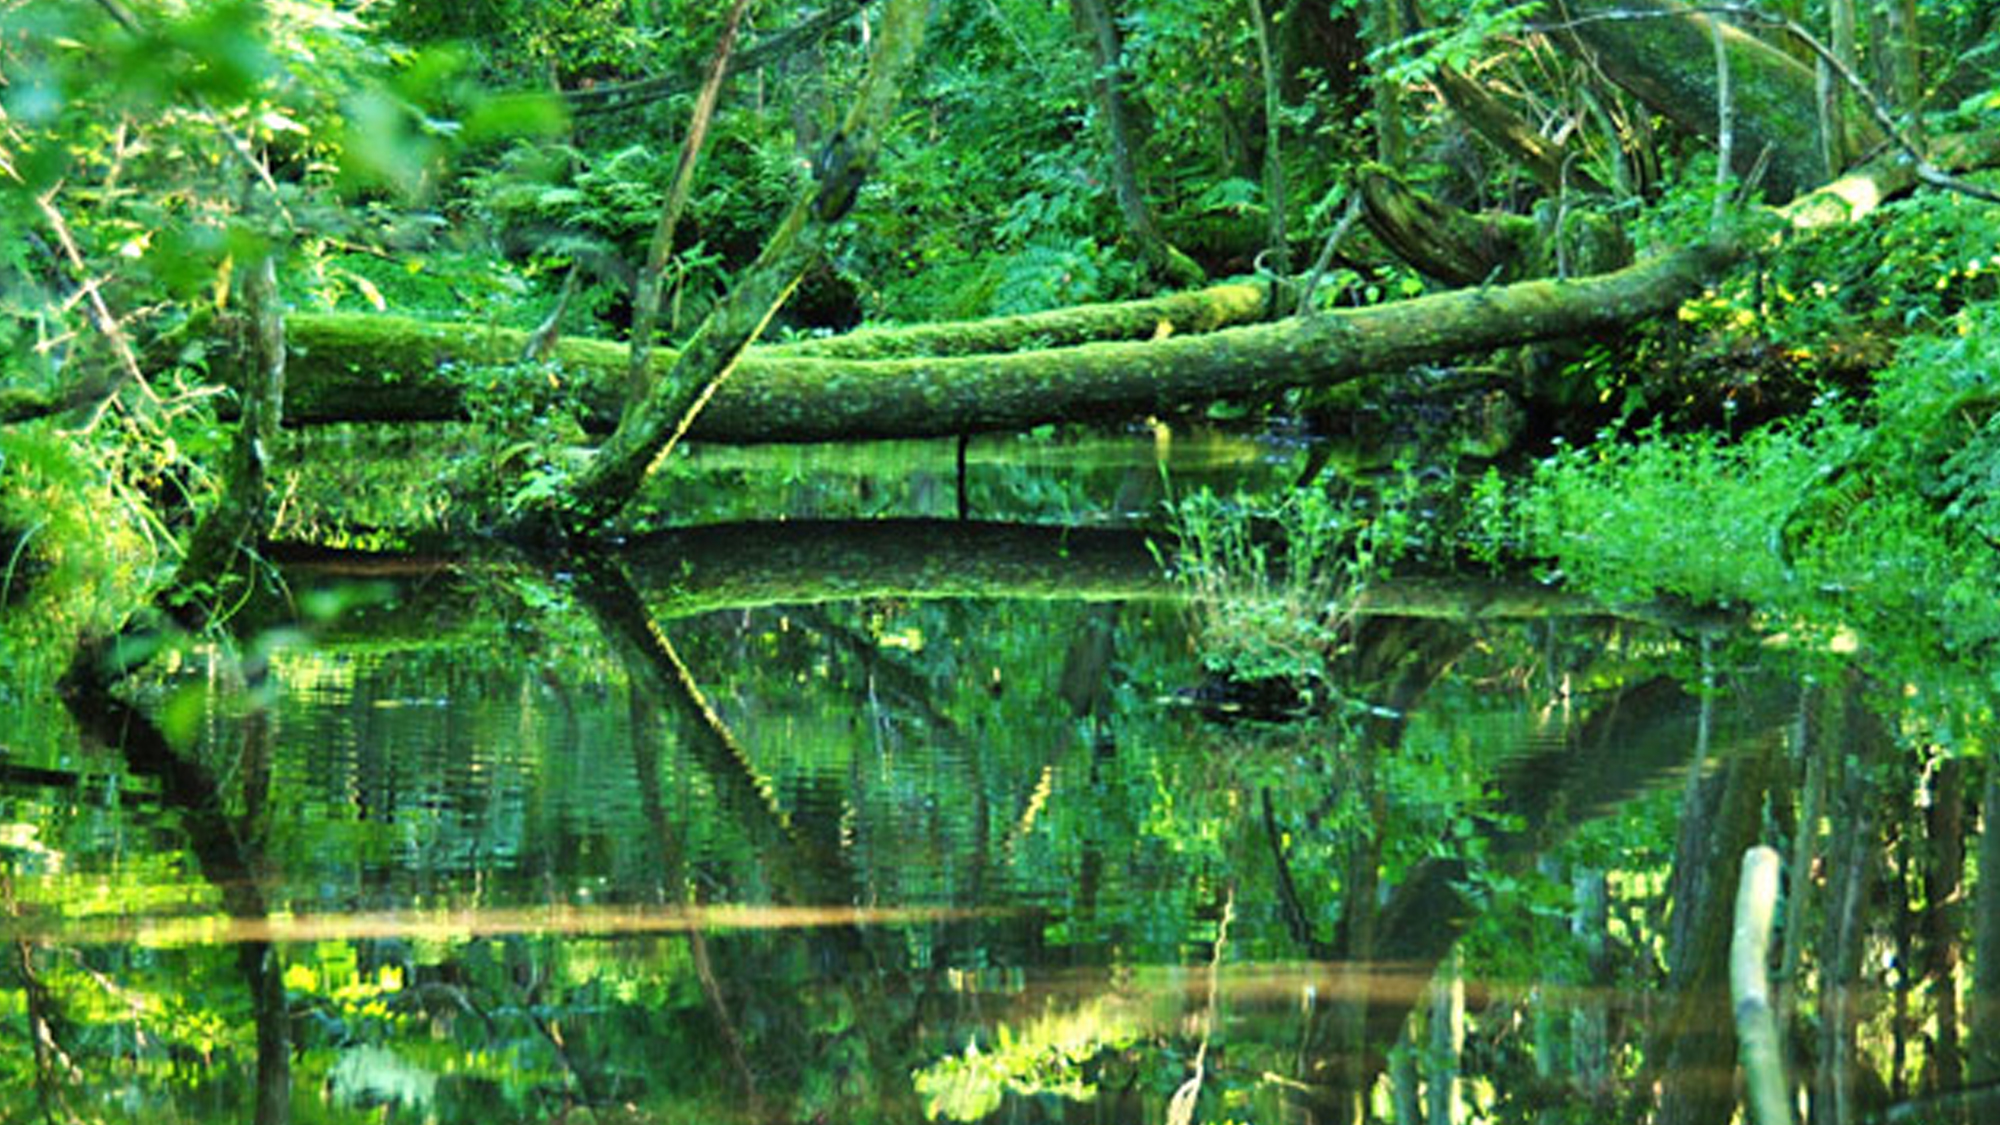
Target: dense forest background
(1661,333)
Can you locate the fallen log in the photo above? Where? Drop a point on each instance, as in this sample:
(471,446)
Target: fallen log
(362,368)
(349,368)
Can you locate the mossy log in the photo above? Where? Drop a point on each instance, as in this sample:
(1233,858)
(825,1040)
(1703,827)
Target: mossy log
(1461,247)
(1500,126)
(653,421)
(1664,55)
(363,368)
(1175,314)
(1441,241)
(357,368)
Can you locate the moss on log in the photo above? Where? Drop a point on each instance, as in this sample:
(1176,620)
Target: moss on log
(24,404)
(1664,55)
(1497,122)
(387,369)
(1194,311)
(1445,242)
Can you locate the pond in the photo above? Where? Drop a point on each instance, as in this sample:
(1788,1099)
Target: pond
(911,817)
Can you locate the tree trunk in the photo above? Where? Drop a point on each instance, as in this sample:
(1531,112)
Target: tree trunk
(1405,1092)
(1098,25)
(384,369)
(1663,54)
(649,427)
(802,871)
(1385,28)
(1834,97)
(1983,1059)
(1861,746)
(1944,873)
(1192,311)
(1630,744)
(1694,1044)
(341,374)
(241,517)
(1274,165)
(1441,1085)
(214,567)
(646,294)
(801,562)
(229,855)
(1590,1022)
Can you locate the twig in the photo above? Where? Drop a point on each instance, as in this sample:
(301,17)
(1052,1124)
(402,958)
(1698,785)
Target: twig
(1325,258)
(1180,1110)
(107,324)
(646,302)
(1725,125)
(1288,893)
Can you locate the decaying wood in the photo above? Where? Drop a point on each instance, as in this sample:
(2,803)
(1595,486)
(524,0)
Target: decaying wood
(1508,131)
(340,373)
(1662,53)
(1750,989)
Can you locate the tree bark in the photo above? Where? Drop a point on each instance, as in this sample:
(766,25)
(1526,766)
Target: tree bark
(1663,55)
(1944,874)
(1983,1005)
(1098,25)
(1694,1042)
(1765,1084)
(341,374)
(649,427)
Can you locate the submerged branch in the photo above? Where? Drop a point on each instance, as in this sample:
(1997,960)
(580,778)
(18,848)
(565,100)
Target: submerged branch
(802,562)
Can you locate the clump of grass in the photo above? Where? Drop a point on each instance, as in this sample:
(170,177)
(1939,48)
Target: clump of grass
(1270,588)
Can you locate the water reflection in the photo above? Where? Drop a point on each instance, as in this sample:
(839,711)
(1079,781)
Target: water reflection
(886,823)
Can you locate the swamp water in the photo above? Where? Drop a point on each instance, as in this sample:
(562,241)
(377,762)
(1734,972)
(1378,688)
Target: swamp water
(913,818)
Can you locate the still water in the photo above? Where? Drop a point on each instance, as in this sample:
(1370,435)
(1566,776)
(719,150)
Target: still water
(914,818)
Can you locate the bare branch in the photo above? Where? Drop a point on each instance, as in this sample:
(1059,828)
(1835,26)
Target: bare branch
(1926,171)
